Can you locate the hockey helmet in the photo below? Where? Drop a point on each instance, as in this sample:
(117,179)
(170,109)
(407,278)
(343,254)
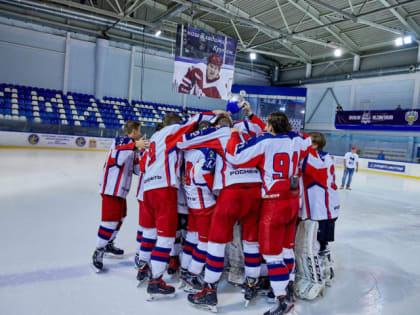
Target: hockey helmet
(215,59)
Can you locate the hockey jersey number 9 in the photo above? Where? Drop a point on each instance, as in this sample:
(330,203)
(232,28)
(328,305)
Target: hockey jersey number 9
(276,156)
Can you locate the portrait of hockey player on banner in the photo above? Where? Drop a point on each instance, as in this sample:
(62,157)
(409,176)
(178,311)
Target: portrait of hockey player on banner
(204,63)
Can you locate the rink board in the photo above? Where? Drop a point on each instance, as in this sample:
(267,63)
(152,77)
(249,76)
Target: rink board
(33,140)
(394,168)
(26,140)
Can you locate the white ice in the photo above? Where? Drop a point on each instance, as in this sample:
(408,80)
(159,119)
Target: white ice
(50,211)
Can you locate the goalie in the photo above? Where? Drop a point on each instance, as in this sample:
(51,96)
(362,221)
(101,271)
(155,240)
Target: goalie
(319,211)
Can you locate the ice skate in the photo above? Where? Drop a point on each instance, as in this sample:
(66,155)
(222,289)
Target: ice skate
(112,251)
(290,294)
(271,298)
(194,285)
(263,286)
(184,277)
(341,187)
(143,270)
(250,289)
(206,299)
(157,288)
(173,266)
(281,307)
(348,188)
(97,260)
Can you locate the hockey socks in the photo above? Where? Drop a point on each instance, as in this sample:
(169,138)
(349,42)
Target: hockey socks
(105,233)
(117,229)
(190,243)
(148,241)
(198,258)
(214,262)
(160,255)
(289,260)
(278,274)
(252,259)
(138,239)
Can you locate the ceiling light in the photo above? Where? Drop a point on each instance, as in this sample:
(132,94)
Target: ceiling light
(338,52)
(399,41)
(252,56)
(157,34)
(408,39)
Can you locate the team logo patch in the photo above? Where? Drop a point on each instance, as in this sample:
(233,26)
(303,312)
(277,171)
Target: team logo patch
(411,117)
(198,133)
(80,141)
(366,118)
(92,143)
(33,139)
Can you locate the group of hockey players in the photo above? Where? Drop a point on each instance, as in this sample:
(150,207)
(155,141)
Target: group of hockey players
(199,180)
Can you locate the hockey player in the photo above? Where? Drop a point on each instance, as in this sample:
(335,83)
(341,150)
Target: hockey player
(319,212)
(238,200)
(276,154)
(204,80)
(114,187)
(351,161)
(199,173)
(160,194)
(146,238)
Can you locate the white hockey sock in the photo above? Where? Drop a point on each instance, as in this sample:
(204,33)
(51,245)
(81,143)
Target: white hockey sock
(148,241)
(263,270)
(278,273)
(105,232)
(190,242)
(252,259)
(117,229)
(138,239)
(160,255)
(289,260)
(214,262)
(198,258)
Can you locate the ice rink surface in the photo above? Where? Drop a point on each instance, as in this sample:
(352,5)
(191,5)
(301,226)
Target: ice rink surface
(50,212)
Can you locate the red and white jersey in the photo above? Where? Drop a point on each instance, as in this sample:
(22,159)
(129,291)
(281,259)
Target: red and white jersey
(320,195)
(276,156)
(199,175)
(119,167)
(334,195)
(141,168)
(225,174)
(251,126)
(195,82)
(163,165)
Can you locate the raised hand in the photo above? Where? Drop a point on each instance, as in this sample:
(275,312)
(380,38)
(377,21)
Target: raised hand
(247,108)
(143,143)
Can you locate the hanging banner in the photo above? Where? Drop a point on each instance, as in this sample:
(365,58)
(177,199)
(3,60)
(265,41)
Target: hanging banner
(402,120)
(204,63)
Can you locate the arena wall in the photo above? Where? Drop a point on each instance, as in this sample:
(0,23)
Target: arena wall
(48,58)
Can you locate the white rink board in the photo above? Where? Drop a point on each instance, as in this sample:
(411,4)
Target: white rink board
(44,140)
(384,166)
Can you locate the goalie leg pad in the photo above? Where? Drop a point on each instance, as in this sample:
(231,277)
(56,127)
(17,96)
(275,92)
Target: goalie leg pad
(309,282)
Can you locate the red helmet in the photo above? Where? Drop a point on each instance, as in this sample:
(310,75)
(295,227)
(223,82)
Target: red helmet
(215,59)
